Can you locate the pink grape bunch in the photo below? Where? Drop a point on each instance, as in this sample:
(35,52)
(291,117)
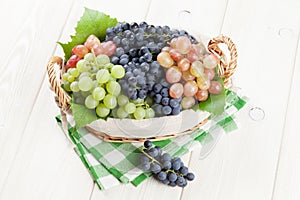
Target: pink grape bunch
(190,70)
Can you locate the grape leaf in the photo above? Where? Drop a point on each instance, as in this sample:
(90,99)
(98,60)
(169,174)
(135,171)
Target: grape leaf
(215,103)
(82,115)
(91,22)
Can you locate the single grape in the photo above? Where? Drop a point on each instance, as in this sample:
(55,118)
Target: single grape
(197,69)
(79,64)
(89,57)
(164,59)
(166,157)
(110,101)
(210,73)
(130,108)
(165,101)
(215,87)
(74,86)
(80,50)
(90,102)
(82,66)
(72,62)
(109,47)
(91,41)
(190,176)
(184,64)
(157,88)
(74,72)
(175,55)
(149,113)
(190,88)
(121,113)
(102,111)
(201,95)
(183,170)
(187,76)
(102,60)
(193,56)
(176,90)
(172,176)
(155,168)
(183,44)
(153,152)
(180,181)
(161,176)
(146,166)
(117,71)
(66,87)
(85,83)
(167,165)
(173,75)
(147,144)
(203,82)
(174,103)
(166,110)
(176,165)
(210,61)
(187,102)
(113,88)
(83,74)
(122,100)
(71,78)
(176,110)
(65,76)
(98,93)
(139,113)
(103,76)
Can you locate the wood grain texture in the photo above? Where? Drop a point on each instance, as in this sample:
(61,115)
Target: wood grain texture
(259,161)
(22,74)
(247,159)
(288,177)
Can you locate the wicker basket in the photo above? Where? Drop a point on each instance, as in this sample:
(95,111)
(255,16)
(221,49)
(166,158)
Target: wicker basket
(62,99)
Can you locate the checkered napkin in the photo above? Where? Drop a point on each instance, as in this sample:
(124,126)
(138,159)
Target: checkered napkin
(112,164)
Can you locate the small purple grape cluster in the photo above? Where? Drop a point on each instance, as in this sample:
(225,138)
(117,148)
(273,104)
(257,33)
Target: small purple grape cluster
(168,170)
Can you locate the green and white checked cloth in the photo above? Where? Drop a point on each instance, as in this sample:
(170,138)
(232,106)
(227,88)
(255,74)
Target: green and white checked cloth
(112,164)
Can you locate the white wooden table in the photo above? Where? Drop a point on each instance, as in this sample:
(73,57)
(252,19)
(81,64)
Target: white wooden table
(260,161)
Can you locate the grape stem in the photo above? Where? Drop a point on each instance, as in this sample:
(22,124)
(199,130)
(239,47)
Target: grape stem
(152,159)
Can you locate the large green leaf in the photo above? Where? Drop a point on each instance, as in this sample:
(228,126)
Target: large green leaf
(92,22)
(82,115)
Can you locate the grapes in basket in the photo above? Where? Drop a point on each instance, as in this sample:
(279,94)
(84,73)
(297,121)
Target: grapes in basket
(141,71)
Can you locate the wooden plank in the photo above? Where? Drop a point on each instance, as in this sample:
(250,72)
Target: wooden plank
(243,165)
(288,178)
(46,166)
(31,44)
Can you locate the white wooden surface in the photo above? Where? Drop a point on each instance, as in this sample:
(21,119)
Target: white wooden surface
(259,161)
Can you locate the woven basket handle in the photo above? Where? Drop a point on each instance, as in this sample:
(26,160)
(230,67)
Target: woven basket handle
(62,98)
(227,69)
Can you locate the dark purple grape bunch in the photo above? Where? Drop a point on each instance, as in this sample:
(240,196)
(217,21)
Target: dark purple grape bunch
(168,170)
